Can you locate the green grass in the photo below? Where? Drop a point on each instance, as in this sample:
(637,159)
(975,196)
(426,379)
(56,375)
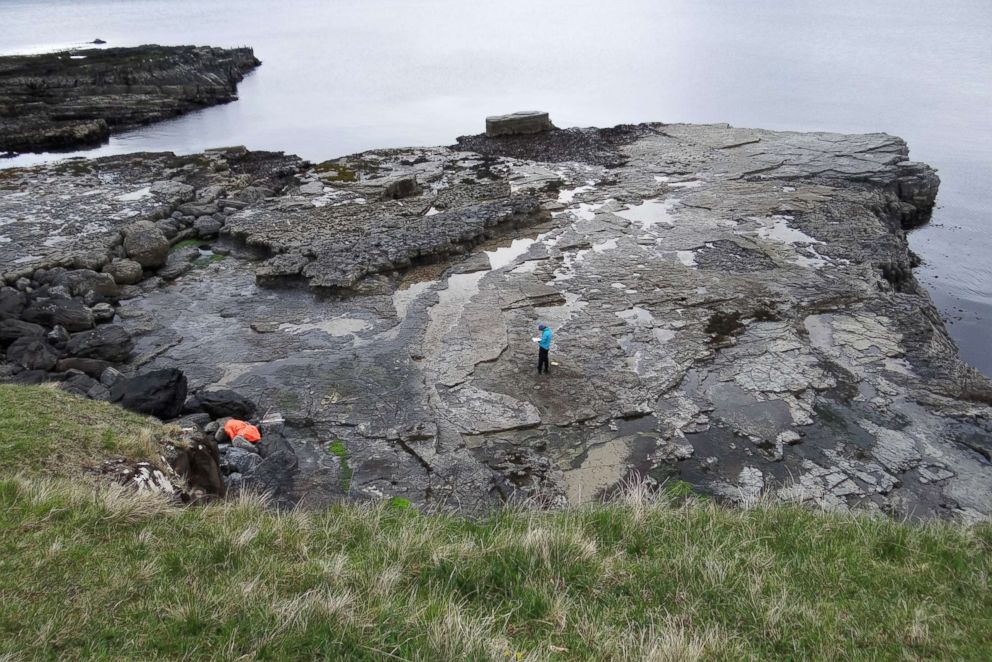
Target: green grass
(187,243)
(93,571)
(46,430)
(338,449)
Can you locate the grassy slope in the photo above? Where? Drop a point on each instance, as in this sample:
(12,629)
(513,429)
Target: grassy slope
(91,571)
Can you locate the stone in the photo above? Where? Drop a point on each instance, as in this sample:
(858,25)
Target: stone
(110,376)
(32,353)
(207,227)
(145,244)
(519,123)
(198,420)
(275,474)
(221,403)
(169,227)
(179,262)
(58,336)
(70,313)
(404,187)
(159,393)
(93,287)
(124,272)
(78,383)
(251,194)
(235,459)
(103,312)
(92,367)
(12,329)
(108,342)
(173,190)
(12,302)
(209,194)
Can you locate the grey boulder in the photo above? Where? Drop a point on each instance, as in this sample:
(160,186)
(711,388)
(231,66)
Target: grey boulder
(522,122)
(107,342)
(145,244)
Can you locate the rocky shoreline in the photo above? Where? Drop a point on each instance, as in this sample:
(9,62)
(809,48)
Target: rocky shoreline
(733,307)
(73,99)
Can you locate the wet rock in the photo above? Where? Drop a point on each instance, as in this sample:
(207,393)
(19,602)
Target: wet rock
(179,262)
(522,122)
(70,313)
(221,403)
(32,353)
(108,342)
(145,244)
(12,329)
(124,272)
(159,393)
(275,474)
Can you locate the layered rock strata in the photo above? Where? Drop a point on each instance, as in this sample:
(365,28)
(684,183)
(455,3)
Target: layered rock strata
(72,99)
(735,308)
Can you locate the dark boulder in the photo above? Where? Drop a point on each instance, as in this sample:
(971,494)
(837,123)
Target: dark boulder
(70,313)
(11,330)
(238,460)
(79,384)
(108,342)
(92,367)
(58,336)
(220,403)
(159,393)
(12,302)
(32,353)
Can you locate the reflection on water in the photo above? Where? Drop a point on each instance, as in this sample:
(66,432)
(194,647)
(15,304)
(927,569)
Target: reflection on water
(346,76)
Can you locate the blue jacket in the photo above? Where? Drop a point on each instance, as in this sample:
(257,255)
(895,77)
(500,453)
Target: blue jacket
(545,342)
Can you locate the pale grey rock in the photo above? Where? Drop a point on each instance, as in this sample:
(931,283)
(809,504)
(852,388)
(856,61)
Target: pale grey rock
(521,122)
(146,245)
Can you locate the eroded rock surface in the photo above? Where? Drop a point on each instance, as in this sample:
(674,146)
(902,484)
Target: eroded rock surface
(77,98)
(732,307)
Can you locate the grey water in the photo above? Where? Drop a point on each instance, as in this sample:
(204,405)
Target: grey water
(341,76)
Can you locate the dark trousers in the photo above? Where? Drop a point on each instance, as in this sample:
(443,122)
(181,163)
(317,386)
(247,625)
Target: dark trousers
(542,359)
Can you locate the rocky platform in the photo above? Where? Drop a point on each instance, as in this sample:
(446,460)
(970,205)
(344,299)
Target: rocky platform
(73,99)
(732,307)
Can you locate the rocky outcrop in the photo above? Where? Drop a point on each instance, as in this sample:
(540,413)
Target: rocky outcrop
(65,100)
(735,308)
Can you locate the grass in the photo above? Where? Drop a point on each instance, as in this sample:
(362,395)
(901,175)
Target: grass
(48,431)
(93,571)
(338,449)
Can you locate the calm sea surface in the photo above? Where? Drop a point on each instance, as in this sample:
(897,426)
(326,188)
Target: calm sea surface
(341,76)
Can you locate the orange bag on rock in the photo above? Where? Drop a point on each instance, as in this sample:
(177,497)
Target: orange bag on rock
(234,427)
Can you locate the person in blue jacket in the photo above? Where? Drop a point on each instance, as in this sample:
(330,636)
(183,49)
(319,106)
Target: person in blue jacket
(543,345)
